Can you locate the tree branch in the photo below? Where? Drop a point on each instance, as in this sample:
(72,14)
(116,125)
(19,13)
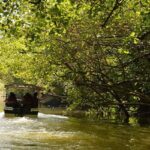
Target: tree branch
(36,2)
(117,4)
(147,55)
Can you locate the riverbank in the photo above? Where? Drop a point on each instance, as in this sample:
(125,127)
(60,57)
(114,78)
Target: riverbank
(133,121)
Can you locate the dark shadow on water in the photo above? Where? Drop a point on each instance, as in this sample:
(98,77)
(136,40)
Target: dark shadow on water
(144,121)
(30,145)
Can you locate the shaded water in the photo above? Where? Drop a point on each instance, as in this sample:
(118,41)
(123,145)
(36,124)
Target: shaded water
(56,132)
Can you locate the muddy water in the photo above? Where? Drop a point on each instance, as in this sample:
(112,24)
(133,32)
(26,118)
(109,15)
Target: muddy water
(56,132)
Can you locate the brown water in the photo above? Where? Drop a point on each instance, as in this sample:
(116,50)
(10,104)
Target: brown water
(56,132)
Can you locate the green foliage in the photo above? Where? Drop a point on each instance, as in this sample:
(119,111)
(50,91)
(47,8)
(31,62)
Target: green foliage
(97,52)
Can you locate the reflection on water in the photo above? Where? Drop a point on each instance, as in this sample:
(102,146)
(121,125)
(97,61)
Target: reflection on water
(57,132)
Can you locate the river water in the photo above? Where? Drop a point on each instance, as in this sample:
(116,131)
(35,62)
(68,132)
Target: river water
(56,132)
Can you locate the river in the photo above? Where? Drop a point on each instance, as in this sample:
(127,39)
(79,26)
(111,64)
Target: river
(57,132)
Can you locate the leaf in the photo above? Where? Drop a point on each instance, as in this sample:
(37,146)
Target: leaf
(132,34)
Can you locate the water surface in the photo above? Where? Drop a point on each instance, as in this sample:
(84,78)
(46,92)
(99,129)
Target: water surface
(56,132)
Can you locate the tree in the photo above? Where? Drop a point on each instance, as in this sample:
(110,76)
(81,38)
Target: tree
(98,50)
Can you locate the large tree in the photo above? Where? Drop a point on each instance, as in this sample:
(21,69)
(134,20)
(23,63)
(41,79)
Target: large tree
(98,50)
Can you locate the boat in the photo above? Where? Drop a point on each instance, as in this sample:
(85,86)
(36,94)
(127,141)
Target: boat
(19,108)
(20,112)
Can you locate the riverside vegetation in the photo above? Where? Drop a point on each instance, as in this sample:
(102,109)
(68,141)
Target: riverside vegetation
(95,53)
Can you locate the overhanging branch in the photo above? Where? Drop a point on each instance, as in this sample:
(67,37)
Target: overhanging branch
(117,4)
